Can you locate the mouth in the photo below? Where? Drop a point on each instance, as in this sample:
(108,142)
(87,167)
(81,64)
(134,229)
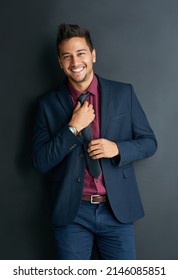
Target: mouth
(78,69)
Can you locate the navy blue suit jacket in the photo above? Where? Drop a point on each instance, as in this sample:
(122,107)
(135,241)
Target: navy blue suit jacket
(58,151)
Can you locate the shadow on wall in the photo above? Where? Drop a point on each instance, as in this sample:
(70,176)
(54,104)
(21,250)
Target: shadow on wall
(35,193)
(33,189)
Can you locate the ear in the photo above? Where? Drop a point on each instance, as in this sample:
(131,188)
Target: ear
(94,55)
(60,62)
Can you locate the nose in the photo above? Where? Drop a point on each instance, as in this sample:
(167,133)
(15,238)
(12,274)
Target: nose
(75,60)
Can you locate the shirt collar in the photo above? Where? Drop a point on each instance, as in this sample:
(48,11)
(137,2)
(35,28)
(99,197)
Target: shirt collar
(93,88)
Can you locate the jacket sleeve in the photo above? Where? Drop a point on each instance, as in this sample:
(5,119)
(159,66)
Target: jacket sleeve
(143,143)
(49,150)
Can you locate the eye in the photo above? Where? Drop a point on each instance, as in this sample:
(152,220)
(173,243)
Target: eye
(66,56)
(81,53)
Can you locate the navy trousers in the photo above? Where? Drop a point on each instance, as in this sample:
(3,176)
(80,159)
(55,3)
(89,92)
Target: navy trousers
(115,240)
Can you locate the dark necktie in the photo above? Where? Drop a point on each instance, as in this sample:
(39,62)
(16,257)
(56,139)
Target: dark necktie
(93,164)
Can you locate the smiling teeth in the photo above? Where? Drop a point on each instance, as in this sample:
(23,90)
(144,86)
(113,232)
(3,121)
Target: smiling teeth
(77,70)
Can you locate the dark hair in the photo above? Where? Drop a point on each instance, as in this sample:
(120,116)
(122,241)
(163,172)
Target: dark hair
(67,31)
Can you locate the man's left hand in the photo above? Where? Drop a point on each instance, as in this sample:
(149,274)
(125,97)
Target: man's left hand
(102,148)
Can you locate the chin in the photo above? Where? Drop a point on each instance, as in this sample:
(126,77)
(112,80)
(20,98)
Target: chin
(79,80)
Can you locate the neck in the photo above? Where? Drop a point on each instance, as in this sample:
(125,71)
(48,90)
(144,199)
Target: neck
(81,86)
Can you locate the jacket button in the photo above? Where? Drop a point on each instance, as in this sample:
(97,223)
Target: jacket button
(82,155)
(79,180)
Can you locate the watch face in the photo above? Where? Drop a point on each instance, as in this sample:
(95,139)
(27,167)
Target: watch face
(73,130)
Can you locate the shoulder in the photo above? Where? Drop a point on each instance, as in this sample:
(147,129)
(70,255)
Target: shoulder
(116,85)
(52,94)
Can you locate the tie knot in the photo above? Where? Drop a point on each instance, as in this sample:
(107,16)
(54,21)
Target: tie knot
(83,97)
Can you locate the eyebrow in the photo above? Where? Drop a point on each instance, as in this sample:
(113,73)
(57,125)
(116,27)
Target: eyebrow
(81,50)
(76,52)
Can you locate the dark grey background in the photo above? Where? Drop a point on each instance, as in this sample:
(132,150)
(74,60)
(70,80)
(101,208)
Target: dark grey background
(136,42)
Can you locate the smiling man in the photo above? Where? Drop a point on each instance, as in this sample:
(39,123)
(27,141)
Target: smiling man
(76,59)
(87,135)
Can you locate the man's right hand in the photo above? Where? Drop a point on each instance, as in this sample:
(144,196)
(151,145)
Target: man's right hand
(82,116)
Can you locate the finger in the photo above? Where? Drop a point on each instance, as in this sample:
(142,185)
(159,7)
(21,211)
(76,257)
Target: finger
(77,106)
(94,152)
(94,142)
(92,148)
(90,106)
(98,156)
(98,141)
(85,104)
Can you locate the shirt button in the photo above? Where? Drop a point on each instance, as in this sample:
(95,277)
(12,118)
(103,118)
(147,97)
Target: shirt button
(79,180)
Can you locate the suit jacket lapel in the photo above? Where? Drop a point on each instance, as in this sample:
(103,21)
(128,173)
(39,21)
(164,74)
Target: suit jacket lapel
(105,105)
(64,98)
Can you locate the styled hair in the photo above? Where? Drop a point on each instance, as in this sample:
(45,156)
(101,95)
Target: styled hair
(68,31)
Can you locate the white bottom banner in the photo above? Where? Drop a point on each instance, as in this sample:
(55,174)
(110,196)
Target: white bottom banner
(94,269)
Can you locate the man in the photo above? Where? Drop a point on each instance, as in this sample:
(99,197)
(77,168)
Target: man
(93,185)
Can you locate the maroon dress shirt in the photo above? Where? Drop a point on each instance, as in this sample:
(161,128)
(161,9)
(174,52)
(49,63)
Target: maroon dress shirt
(91,185)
